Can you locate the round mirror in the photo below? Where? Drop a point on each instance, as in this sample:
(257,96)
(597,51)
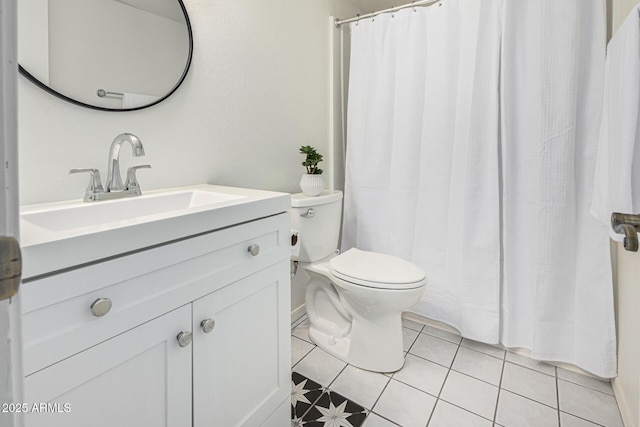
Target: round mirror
(112,55)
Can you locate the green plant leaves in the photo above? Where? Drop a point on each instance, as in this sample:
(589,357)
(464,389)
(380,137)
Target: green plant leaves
(312,159)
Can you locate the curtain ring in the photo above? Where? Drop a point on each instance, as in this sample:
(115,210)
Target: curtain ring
(358,21)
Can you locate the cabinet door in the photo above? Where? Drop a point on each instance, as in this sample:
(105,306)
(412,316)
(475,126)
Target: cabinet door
(242,366)
(140,378)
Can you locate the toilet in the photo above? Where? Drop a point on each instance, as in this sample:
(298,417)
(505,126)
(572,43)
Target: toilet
(354,300)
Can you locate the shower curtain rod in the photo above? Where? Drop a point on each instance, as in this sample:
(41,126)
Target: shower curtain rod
(339,22)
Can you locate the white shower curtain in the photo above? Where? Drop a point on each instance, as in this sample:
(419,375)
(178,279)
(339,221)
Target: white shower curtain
(470,145)
(557,291)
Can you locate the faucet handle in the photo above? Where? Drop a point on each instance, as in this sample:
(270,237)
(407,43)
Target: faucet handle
(132,183)
(95,185)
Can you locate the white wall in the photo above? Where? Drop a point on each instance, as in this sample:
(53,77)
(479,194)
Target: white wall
(619,9)
(33,33)
(257,90)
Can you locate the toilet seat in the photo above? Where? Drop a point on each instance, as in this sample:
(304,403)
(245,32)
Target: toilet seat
(376,270)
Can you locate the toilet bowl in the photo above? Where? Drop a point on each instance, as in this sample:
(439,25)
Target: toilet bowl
(354,300)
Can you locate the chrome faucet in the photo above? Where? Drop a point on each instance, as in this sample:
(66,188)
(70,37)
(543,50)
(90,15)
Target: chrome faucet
(114,182)
(114,188)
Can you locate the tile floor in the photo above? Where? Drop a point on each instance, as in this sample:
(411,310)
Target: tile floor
(447,381)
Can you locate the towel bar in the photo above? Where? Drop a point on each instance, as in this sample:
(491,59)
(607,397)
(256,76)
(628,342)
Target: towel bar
(103,93)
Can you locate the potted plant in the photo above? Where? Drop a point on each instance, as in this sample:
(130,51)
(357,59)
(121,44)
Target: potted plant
(312,182)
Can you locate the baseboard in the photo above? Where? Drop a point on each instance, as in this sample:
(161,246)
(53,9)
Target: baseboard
(626,410)
(298,313)
(430,322)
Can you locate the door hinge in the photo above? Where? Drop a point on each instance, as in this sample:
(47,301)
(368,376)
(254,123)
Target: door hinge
(10,267)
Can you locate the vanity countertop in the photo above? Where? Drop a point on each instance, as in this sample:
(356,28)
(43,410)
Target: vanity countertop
(61,235)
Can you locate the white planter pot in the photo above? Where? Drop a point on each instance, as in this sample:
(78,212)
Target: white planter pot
(312,185)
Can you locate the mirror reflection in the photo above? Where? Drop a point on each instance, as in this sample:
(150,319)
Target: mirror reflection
(105,54)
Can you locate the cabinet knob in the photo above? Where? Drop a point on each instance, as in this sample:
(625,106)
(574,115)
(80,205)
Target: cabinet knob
(254,249)
(101,306)
(185,338)
(208,325)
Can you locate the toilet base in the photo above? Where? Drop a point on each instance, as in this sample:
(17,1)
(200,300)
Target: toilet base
(362,355)
(357,324)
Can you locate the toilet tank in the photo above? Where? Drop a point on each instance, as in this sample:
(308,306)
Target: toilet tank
(317,220)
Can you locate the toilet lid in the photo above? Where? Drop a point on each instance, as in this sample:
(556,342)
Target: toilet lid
(376,270)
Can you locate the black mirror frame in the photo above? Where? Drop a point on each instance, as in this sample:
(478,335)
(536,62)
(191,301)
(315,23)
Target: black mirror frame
(57,94)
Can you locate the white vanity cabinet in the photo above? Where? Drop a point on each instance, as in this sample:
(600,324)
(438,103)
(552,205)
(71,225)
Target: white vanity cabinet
(226,291)
(242,362)
(139,378)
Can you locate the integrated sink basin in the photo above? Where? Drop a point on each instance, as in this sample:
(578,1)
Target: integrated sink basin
(62,235)
(93,214)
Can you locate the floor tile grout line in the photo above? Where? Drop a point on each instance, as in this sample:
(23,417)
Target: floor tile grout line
(422,330)
(298,338)
(432,361)
(305,355)
(418,331)
(495,410)
(307,341)
(558,379)
(464,409)
(531,369)
(504,350)
(442,386)
(443,339)
(380,395)
(529,398)
(583,418)
(483,353)
(557,395)
(471,376)
(411,346)
(390,378)
(408,385)
(451,368)
(384,418)
(586,386)
(353,400)
(339,373)
(414,387)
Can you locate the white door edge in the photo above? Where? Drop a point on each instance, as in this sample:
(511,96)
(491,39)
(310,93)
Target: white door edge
(11,380)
